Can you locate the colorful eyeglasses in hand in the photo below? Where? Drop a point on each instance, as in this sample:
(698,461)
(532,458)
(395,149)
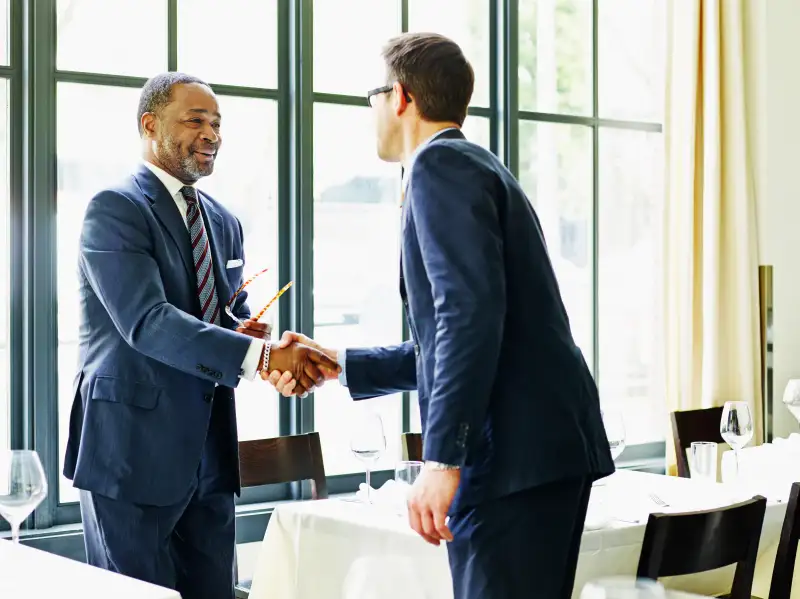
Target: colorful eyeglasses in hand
(261,313)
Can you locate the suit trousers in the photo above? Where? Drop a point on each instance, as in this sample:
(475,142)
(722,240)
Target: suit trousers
(189,546)
(520,546)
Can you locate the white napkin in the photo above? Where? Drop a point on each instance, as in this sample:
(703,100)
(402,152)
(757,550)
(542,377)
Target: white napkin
(391,495)
(792,442)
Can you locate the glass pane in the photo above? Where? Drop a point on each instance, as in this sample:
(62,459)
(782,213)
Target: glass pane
(82,174)
(244,48)
(5,33)
(90,37)
(467,23)
(245,180)
(5,282)
(555,56)
(629,275)
(555,163)
(350,62)
(477,130)
(356,269)
(631,55)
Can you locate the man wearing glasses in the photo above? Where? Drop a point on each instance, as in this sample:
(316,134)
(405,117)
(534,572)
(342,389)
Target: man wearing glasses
(152,437)
(512,432)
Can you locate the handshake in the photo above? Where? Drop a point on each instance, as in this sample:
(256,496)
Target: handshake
(297,364)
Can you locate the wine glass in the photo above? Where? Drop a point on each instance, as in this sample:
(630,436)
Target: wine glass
(623,587)
(22,487)
(368,443)
(736,427)
(615,431)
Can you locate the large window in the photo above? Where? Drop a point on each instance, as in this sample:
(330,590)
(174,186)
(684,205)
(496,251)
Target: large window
(590,161)
(356,199)
(568,94)
(356,219)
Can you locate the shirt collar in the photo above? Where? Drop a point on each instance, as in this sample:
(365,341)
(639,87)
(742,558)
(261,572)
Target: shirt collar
(172,184)
(415,153)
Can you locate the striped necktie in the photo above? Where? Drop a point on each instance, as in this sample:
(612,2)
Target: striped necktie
(201,251)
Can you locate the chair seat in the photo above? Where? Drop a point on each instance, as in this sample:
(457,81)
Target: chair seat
(242,589)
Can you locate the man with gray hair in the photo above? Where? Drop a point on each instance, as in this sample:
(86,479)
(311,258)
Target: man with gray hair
(152,439)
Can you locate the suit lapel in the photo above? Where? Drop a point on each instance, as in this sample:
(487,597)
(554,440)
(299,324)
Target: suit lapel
(168,214)
(403,211)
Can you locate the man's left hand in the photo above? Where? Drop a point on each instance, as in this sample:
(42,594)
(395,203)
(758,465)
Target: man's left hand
(254,328)
(429,502)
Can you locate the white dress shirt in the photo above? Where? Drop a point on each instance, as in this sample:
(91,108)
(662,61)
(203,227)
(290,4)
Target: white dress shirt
(173,185)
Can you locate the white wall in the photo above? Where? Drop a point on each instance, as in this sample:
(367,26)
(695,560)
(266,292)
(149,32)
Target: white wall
(773,44)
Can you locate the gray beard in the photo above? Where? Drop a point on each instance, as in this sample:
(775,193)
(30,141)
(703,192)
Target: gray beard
(188,165)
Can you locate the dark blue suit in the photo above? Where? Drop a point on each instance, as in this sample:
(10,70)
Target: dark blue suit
(504,392)
(152,438)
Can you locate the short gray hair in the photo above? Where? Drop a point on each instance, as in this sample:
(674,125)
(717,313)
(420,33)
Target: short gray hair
(157,92)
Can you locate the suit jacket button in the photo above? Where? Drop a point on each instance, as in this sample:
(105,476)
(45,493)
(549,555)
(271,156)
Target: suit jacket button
(208,397)
(416,349)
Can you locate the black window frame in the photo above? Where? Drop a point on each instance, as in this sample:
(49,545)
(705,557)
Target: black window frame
(33,345)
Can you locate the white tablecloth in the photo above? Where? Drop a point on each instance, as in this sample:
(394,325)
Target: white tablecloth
(27,573)
(337,549)
(771,468)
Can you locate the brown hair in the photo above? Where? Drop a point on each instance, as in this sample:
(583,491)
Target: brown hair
(434,70)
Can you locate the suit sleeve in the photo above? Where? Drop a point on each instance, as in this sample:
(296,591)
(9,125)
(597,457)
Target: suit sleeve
(378,371)
(455,218)
(116,255)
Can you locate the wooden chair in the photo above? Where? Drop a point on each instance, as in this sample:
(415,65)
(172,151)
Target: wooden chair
(412,447)
(689,543)
(783,572)
(281,460)
(690,426)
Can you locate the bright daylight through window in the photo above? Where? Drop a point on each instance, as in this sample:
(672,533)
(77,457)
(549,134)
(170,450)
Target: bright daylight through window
(584,139)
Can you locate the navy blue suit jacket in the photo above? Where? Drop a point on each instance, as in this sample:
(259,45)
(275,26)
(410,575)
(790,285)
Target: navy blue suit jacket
(504,392)
(149,367)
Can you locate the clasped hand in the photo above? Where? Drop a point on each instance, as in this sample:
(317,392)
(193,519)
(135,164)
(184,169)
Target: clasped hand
(432,493)
(296,364)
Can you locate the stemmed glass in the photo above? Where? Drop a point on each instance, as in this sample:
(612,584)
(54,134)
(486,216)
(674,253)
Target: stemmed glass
(368,443)
(22,487)
(736,427)
(615,431)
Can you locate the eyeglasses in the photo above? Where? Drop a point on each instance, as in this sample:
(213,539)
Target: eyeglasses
(258,316)
(382,90)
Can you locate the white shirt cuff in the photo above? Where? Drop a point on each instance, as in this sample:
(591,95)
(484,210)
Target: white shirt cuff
(342,360)
(251,360)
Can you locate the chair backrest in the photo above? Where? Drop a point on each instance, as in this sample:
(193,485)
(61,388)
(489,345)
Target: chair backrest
(693,542)
(282,460)
(783,572)
(412,447)
(689,426)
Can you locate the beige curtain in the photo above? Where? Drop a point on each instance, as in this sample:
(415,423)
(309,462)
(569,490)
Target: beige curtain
(711,252)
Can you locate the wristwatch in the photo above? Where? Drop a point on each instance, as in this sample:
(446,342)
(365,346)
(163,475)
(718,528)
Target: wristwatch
(439,466)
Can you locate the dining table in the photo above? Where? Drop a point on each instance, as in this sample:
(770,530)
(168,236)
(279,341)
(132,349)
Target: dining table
(28,573)
(346,548)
